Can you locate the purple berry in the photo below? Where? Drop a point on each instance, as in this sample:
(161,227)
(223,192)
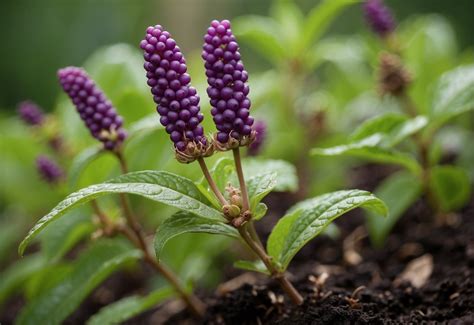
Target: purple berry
(95,109)
(177,102)
(227,82)
(49,170)
(379,17)
(255,147)
(30,113)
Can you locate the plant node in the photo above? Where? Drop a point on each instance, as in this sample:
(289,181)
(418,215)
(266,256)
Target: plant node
(193,151)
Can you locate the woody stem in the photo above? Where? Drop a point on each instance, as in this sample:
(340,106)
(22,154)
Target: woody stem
(136,235)
(285,284)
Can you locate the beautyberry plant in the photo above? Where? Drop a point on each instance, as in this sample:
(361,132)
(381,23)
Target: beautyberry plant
(224,201)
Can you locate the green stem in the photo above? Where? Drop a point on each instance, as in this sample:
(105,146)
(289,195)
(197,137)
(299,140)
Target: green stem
(211,182)
(253,233)
(285,284)
(240,175)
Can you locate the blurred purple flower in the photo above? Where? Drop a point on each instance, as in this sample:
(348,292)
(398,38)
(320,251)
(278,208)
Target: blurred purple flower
(255,147)
(379,17)
(30,113)
(49,170)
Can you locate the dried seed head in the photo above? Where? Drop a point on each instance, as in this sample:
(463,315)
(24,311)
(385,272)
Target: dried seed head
(30,113)
(393,78)
(228,90)
(379,17)
(95,109)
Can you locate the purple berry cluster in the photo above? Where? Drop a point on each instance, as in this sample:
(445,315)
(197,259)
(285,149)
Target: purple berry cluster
(255,147)
(48,170)
(227,78)
(379,17)
(95,109)
(30,113)
(177,102)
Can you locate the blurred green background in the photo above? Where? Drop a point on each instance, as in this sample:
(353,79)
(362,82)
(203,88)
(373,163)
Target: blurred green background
(38,37)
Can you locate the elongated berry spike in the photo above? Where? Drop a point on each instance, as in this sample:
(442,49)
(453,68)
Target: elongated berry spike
(255,147)
(177,102)
(227,89)
(49,170)
(95,109)
(379,17)
(30,113)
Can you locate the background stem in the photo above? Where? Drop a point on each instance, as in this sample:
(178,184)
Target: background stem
(423,145)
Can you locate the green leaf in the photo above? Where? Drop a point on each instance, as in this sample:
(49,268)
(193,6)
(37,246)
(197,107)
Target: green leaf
(259,187)
(259,211)
(399,192)
(93,266)
(164,187)
(256,172)
(319,19)
(395,127)
(429,50)
(185,222)
(261,33)
(453,94)
(407,129)
(80,162)
(368,149)
(255,266)
(450,184)
(221,171)
(10,232)
(287,180)
(384,124)
(46,278)
(147,124)
(17,273)
(210,196)
(290,19)
(61,236)
(309,218)
(126,308)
